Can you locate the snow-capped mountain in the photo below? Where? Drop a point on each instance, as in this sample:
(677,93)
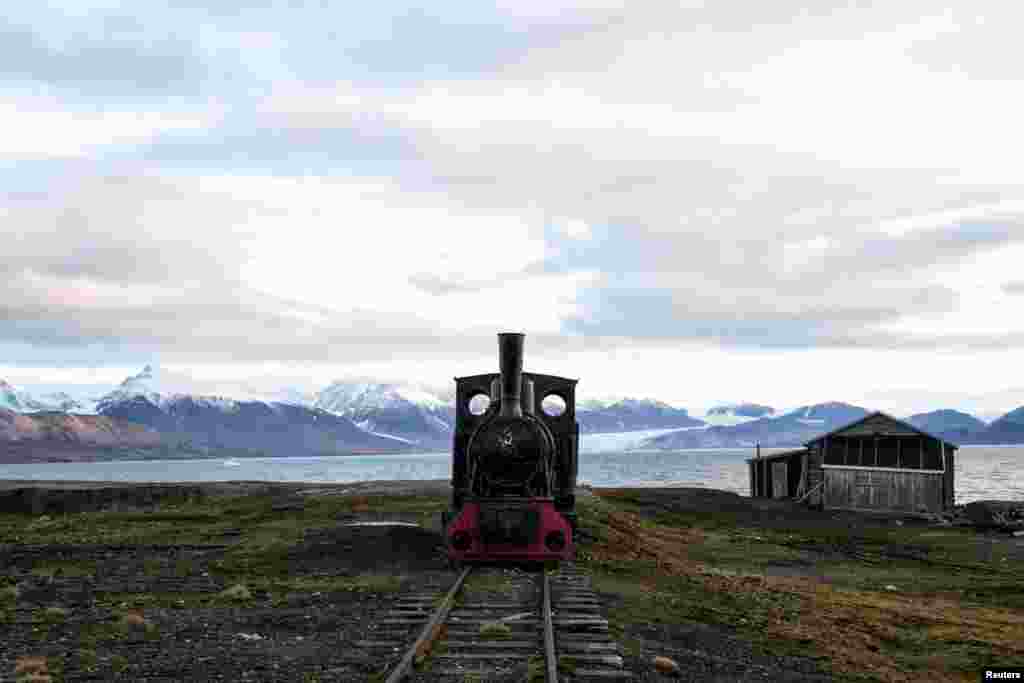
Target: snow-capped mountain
(21,401)
(286,395)
(737,413)
(596,403)
(17,400)
(66,403)
(630,414)
(344,396)
(1007,429)
(161,400)
(162,388)
(412,413)
(791,429)
(951,425)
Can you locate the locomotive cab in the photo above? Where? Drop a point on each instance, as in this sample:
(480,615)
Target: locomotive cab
(513,465)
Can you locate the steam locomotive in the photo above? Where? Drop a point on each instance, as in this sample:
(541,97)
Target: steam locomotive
(514,462)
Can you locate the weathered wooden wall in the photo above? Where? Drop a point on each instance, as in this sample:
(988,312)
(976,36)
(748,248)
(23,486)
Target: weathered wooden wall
(869,489)
(949,494)
(780,479)
(814,475)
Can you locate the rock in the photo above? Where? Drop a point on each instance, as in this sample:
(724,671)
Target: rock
(1018,533)
(31,669)
(991,512)
(891,587)
(289,506)
(133,619)
(666,666)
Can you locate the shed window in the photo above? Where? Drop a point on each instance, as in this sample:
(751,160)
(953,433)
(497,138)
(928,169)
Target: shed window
(835,450)
(887,451)
(903,452)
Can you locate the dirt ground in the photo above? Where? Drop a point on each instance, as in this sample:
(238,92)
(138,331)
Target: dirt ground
(143,609)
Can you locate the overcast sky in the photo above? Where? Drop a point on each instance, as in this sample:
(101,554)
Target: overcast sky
(738,201)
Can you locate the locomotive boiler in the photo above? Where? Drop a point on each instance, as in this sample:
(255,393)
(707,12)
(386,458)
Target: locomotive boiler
(514,460)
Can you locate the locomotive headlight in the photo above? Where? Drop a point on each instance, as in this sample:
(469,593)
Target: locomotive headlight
(555,540)
(461,540)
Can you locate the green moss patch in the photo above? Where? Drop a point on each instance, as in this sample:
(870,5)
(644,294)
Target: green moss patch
(494,630)
(864,594)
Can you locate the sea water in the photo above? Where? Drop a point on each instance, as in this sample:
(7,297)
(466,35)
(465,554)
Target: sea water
(982,472)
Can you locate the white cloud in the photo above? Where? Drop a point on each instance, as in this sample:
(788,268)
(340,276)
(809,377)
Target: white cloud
(40,132)
(576,229)
(985,308)
(812,173)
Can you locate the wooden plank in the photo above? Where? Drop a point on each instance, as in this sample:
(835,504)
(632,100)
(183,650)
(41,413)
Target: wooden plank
(594,621)
(471,656)
(607,660)
(429,630)
(469,621)
(584,646)
(780,480)
(945,492)
(379,643)
(587,674)
(551,664)
(877,469)
(491,644)
(864,488)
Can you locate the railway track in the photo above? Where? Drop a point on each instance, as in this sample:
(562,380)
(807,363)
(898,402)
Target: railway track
(497,624)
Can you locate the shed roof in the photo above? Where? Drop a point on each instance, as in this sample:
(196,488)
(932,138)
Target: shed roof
(879,413)
(775,456)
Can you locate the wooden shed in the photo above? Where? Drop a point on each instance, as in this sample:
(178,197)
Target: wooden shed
(874,463)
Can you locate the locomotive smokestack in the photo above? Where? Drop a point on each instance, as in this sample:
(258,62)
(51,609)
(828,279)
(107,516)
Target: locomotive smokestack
(510,360)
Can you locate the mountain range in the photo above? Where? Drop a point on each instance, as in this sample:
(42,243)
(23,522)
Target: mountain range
(631,414)
(803,424)
(790,429)
(149,415)
(154,414)
(411,413)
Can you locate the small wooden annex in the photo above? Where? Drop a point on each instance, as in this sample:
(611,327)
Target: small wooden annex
(874,463)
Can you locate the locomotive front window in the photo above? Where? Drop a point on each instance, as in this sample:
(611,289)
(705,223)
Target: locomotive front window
(478,404)
(553,405)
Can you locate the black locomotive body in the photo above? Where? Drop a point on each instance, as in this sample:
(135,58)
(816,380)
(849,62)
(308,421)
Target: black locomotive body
(513,465)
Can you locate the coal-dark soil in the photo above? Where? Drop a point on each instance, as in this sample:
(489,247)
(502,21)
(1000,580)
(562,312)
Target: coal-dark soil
(156,612)
(146,609)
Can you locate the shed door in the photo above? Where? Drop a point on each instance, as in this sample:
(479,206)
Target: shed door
(780,479)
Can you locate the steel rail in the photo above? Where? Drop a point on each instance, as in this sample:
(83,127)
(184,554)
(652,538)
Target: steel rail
(429,632)
(551,663)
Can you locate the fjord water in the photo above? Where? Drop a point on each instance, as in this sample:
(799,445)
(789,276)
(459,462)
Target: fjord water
(982,472)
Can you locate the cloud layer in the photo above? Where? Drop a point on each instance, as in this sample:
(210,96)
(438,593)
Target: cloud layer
(318,184)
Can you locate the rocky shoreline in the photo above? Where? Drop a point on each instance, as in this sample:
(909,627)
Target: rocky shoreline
(60,497)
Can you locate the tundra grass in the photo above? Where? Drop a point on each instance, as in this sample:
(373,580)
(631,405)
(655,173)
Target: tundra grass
(205,521)
(877,602)
(487,582)
(257,535)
